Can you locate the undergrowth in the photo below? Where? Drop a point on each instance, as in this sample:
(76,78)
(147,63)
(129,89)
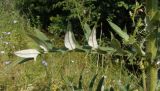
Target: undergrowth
(53,72)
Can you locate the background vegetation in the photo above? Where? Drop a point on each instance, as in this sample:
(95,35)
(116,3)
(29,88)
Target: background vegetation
(71,70)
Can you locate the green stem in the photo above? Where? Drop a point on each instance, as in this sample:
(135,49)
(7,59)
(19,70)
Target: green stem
(151,47)
(144,80)
(152,78)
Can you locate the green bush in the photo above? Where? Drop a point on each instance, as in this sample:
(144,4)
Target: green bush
(53,15)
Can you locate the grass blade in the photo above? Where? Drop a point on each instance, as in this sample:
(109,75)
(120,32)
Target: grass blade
(92,83)
(100,86)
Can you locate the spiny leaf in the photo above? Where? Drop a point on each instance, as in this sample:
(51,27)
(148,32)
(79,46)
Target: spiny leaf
(92,41)
(118,30)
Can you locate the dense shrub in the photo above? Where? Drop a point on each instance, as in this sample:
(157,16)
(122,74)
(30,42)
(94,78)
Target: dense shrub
(52,15)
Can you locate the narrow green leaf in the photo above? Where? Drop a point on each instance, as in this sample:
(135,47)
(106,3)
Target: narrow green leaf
(104,50)
(127,87)
(111,89)
(87,30)
(138,50)
(40,35)
(13,64)
(41,39)
(118,30)
(47,44)
(80,83)
(101,84)
(115,43)
(92,82)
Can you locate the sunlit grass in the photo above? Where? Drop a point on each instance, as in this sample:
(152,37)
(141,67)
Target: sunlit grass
(61,68)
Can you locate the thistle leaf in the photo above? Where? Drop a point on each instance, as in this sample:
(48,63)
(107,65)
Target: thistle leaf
(28,53)
(68,41)
(92,41)
(118,30)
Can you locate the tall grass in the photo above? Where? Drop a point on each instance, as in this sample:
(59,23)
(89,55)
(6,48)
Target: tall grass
(54,71)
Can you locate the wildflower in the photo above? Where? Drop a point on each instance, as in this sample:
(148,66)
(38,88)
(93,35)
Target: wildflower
(72,61)
(6,33)
(15,21)
(7,62)
(2,52)
(84,11)
(44,63)
(6,42)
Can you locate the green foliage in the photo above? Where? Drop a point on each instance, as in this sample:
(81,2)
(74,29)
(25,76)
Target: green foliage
(53,15)
(139,46)
(118,30)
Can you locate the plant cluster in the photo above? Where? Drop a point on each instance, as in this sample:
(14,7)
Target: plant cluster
(133,40)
